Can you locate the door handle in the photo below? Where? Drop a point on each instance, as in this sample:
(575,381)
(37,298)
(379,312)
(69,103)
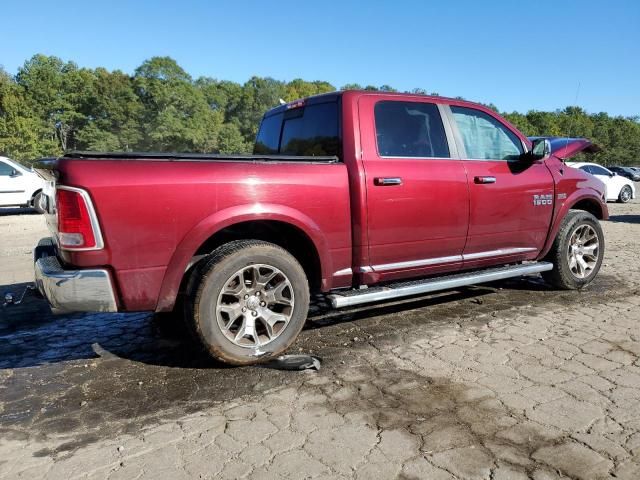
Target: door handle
(484,180)
(387,181)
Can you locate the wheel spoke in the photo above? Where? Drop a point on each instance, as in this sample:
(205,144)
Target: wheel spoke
(235,285)
(263,280)
(233,311)
(271,319)
(583,265)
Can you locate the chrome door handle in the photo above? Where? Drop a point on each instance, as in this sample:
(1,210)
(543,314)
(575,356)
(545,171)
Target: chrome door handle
(387,181)
(484,180)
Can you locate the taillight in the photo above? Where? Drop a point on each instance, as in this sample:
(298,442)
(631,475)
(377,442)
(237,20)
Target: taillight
(76,221)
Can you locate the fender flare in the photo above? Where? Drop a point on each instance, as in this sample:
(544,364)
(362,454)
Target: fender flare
(568,204)
(227,217)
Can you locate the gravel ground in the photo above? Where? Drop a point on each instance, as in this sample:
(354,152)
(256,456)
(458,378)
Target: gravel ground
(506,381)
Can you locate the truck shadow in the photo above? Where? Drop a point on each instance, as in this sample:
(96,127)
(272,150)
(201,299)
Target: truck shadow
(625,218)
(6,211)
(30,335)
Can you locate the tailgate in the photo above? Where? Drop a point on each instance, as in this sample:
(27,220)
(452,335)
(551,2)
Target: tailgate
(47,169)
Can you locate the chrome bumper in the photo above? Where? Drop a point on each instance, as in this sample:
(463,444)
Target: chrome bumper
(89,290)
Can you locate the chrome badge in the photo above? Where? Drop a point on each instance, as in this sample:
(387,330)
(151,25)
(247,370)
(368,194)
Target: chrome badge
(546,199)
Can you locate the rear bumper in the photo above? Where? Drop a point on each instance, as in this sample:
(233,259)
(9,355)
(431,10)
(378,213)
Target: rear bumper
(86,290)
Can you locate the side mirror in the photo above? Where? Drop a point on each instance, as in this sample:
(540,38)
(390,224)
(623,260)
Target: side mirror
(541,148)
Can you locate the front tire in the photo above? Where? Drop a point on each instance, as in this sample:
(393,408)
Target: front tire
(247,301)
(625,194)
(576,253)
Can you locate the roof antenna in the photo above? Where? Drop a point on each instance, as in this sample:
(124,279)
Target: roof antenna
(575,104)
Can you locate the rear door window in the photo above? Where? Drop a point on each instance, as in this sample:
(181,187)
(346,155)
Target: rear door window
(410,129)
(484,137)
(311,130)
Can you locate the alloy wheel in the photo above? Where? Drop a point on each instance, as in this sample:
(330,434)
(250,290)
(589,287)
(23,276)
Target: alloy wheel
(255,305)
(583,251)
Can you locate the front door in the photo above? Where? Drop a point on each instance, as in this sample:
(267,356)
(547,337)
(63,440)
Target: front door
(511,200)
(12,185)
(416,190)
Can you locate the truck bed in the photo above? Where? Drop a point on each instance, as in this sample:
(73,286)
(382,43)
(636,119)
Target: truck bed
(156,209)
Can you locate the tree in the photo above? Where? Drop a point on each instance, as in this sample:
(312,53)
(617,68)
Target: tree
(22,133)
(51,106)
(258,95)
(112,112)
(55,91)
(175,113)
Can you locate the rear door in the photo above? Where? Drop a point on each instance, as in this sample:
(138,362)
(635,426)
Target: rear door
(417,195)
(511,201)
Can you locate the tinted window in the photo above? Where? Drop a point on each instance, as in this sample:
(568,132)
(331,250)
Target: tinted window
(484,137)
(311,130)
(269,135)
(410,129)
(5,169)
(594,169)
(586,168)
(308,131)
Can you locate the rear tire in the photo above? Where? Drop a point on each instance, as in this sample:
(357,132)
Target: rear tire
(625,194)
(247,301)
(35,203)
(576,253)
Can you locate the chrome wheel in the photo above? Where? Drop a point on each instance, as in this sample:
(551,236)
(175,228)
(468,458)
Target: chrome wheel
(625,194)
(255,305)
(583,251)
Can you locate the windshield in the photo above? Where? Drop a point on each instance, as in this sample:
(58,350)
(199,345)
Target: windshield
(311,130)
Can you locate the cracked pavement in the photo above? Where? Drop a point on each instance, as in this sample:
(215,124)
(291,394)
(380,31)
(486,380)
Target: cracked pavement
(505,381)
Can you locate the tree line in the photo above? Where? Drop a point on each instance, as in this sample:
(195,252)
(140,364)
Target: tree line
(51,106)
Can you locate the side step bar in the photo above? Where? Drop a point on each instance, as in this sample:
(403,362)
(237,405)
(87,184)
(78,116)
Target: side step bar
(405,289)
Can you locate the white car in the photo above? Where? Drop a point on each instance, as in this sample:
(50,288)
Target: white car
(19,186)
(618,188)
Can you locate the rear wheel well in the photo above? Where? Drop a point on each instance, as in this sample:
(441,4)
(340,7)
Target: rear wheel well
(590,206)
(33,195)
(285,235)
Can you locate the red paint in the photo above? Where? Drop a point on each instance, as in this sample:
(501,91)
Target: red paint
(155,214)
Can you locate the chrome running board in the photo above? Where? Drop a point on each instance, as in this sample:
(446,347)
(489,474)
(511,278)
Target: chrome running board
(405,289)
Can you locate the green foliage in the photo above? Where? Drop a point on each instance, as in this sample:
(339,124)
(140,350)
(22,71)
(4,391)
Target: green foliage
(618,137)
(51,106)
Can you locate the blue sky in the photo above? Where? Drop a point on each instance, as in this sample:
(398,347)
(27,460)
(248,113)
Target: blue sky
(517,56)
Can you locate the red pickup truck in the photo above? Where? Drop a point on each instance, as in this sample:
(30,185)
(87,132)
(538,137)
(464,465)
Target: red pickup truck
(364,196)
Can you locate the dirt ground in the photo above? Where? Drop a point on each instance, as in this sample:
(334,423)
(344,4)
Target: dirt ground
(506,381)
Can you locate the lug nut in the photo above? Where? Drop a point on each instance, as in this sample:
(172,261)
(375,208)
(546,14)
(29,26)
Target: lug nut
(255,314)
(258,294)
(246,296)
(263,304)
(244,309)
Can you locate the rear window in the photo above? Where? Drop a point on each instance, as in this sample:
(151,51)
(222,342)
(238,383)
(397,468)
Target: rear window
(307,131)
